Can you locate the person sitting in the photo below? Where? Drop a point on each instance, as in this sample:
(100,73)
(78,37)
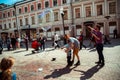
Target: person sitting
(6,72)
(35,46)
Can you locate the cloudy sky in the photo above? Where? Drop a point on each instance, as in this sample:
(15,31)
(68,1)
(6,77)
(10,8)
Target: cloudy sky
(9,1)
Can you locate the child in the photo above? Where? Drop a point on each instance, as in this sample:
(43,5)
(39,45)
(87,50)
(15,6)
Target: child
(67,49)
(6,72)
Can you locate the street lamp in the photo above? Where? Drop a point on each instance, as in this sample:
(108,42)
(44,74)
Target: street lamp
(16,20)
(29,32)
(107,17)
(62,15)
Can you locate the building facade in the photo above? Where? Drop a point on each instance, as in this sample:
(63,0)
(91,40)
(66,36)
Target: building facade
(33,17)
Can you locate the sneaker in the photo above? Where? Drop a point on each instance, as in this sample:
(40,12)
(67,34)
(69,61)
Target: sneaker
(98,62)
(102,64)
(33,52)
(78,63)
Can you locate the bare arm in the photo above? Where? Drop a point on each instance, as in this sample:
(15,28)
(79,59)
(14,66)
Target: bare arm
(96,37)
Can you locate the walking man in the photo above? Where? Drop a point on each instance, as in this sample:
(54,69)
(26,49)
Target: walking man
(56,39)
(26,42)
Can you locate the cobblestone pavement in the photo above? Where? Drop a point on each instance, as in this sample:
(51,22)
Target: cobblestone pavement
(27,64)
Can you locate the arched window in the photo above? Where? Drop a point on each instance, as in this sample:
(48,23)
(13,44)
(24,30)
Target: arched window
(32,7)
(26,9)
(20,11)
(46,4)
(9,25)
(0,26)
(13,13)
(14,25)
(39,6)
(8,14)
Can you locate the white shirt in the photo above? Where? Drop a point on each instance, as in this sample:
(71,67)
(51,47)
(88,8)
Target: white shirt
(56,37)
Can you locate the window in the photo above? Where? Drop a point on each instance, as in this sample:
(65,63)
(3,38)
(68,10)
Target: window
(54,2)
(26,21)
(26,9)
(39,6)
(20,11)
(47,17)
(46,4)
(64,1)
(112,8)
(33,20)
(9,25)
(8,14)
(5,27)
(32,7)
(88,11)
(77,12)
(99,10)
(0,26)
(21,23)
(39,20)
(55,16)
(14,25)
(13,13)
(65,15)
(4,15)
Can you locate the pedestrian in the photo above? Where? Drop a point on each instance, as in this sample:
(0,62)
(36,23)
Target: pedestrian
(6,72)
(13,42)
(18,42)
(99,45)
(106,39)
(42,42)
(26,42)
(81,40)
(73,44)
(56,39)
(115,33)
(1,46)
(8,41)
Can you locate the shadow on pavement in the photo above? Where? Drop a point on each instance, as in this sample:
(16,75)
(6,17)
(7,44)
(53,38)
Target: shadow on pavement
(49,50)
(19,51)
(59,72)
(30,54)
(89,73)
(92,50)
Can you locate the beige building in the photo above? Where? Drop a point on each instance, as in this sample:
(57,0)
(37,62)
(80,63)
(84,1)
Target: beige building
(44,17)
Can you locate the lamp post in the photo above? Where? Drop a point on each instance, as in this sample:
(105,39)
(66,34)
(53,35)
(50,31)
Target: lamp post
(72,19)
(29,32)
(62,15)
(107,17)
(18,32)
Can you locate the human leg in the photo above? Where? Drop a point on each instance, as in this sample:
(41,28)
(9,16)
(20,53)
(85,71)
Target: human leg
(75,53)
(69,63)
(99,48)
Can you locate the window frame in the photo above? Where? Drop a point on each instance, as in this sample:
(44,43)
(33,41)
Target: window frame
(109,7)
(45,4)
